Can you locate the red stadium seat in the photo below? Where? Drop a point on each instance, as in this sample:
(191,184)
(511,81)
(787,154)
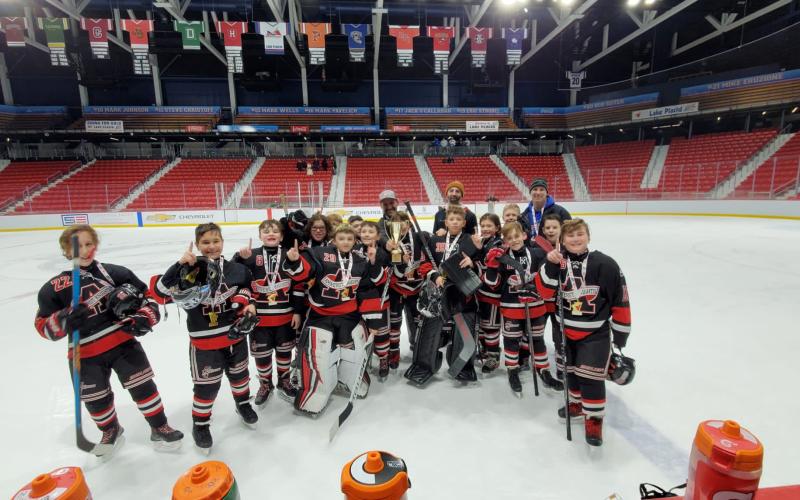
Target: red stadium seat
(615,171)
(550,168)
(367,177)
(779,173)
(480,176)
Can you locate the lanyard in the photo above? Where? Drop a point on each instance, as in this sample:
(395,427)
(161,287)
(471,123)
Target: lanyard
(109,282)
(571,277)
(522,279)
(449,246)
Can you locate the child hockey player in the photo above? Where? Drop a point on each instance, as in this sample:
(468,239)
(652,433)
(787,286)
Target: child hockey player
(517,292)
(219,311)
(112,312)
(511,213)
(594,302)
(545,243)
(489,300)
(275,271)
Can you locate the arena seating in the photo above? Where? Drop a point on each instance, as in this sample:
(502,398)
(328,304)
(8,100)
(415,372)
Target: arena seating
(37,118)
(734,96)
(696,165)
(587,115)
(615,170)
(367,177)
(776,175)
(96,187)
(550,167)
(480,176)
(280,176)
(191,184)
(21,176)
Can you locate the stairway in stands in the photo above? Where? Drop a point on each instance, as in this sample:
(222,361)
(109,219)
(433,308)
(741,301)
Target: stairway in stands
(20,178)
(777,175)
(549,167)
(367,177)
(279,176)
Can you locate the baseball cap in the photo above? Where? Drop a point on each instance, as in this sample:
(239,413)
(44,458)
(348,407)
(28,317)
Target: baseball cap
(387,194)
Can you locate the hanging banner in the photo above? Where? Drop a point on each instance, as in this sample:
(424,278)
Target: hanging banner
(316,41)
(405,43)
(139,31)
(478,41)
(441,46)
(190,33)
(356,40)
(483,126)
(232,38)
(273,34)
(575,78)
(15,30)
(514,38)
(98,35)
(104,126)
(652,113)
(54,34)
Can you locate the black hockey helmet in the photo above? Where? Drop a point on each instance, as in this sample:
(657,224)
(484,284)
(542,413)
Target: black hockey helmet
(621,368)
(299,219)
(125,300)
(197,283)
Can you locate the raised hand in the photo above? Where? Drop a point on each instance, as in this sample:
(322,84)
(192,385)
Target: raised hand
(465,262)
(246,252)
(372,251)
(188,256)
(294,253)
(477,241)
(441,232)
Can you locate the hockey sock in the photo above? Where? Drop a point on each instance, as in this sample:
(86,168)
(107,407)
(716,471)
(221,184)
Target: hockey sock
(492,340)
(382,342)
(511,351)
(264,365)
(149,402)
(394,339)
(593,394)
(241,388)
(283,358)
(201,408)
(104,417)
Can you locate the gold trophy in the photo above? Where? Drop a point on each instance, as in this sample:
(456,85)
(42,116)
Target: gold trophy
(395,230)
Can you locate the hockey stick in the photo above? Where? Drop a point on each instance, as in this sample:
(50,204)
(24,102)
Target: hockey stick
(83,443)
(564,353)
(337,424)
(529,333)
(285,206)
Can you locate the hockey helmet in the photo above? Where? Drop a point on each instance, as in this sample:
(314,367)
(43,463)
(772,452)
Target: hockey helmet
(429,302)
(621,369)
(125,300)
(197,283)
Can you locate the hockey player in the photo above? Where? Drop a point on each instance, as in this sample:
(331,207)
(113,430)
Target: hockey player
(373,301)
(517,292)
(488,299)
(334,343)
(511,213)
(113,311)
(318,231)
(405,285)
(545,243)
(594,301)
(275,271)
(216,296)
(462,308)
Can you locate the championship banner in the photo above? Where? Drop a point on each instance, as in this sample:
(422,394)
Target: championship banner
(575,78)
(483,126)
(104,126)
(15,30)
(232,38)
(316,41)
(139,31)
(98,35)
(441,46)
(478,41)
(356,40)
(514,38)
(273,34)
(446,111)
(56,43)
(190,33)
(405,43)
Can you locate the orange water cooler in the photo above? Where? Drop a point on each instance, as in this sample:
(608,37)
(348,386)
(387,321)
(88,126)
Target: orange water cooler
(210,480)
(66,483)
(375,475)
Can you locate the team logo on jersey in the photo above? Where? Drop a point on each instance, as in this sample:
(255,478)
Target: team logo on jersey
(337,287)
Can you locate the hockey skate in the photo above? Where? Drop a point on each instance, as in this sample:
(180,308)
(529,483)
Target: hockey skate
(287,389)
(575,412)
(490,363)
(249,416)
(383,369)
(201,432)
(263,394)
(111,441)
(514,382)
(165,438)
(394,359)
(594,431)
(549,381)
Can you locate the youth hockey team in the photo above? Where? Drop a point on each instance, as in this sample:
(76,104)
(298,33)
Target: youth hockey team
(321,296)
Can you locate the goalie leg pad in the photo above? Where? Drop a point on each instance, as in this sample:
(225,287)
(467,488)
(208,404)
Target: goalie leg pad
(317,370)
(351,360)
(461,351)
(427,357)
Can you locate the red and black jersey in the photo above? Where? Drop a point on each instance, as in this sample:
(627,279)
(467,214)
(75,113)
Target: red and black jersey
(485,293)
(443,247)
(594,294)
(209,322)
(370,296)
(401,283)
(274,280)
(100,332)
(510,281)
(541,246)
(337,282)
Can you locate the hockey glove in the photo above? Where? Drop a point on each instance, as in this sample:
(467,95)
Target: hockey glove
(72,318)
(620,341)
(141,322)
(243,326)
(492,256)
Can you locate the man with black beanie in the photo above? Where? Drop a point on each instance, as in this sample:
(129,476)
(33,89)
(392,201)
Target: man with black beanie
(540,205)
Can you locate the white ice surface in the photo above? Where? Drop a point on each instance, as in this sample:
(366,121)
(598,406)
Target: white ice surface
(715,308)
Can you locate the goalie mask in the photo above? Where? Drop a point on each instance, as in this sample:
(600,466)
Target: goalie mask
(429,301)
(197,283)
(125,300)
(621,369)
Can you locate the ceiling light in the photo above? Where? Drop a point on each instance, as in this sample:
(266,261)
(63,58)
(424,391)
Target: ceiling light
(633,3)
(649,2)
(570,136)
(719,118)
(590,134)
(794,109)
(622,131)
(542,136)
(763,113)
(114,139)
(192,139)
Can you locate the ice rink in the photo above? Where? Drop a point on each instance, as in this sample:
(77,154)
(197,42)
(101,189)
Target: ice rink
(716,315)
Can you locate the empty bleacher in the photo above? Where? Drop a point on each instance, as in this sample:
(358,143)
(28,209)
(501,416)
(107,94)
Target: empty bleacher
(778,174)
(615,171)
(280,176)
(748,92)
(96,187)
(22,177)
(193,183)
(694,166)
(549,167)
(367,177)
(480,176)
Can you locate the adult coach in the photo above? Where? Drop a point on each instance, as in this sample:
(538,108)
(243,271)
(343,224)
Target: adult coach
(388,201)
(454,192)
(541,204)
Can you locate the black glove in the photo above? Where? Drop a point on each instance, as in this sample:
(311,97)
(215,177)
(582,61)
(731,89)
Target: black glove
(73,317)
(619,341)
(244,325)
(141,322)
